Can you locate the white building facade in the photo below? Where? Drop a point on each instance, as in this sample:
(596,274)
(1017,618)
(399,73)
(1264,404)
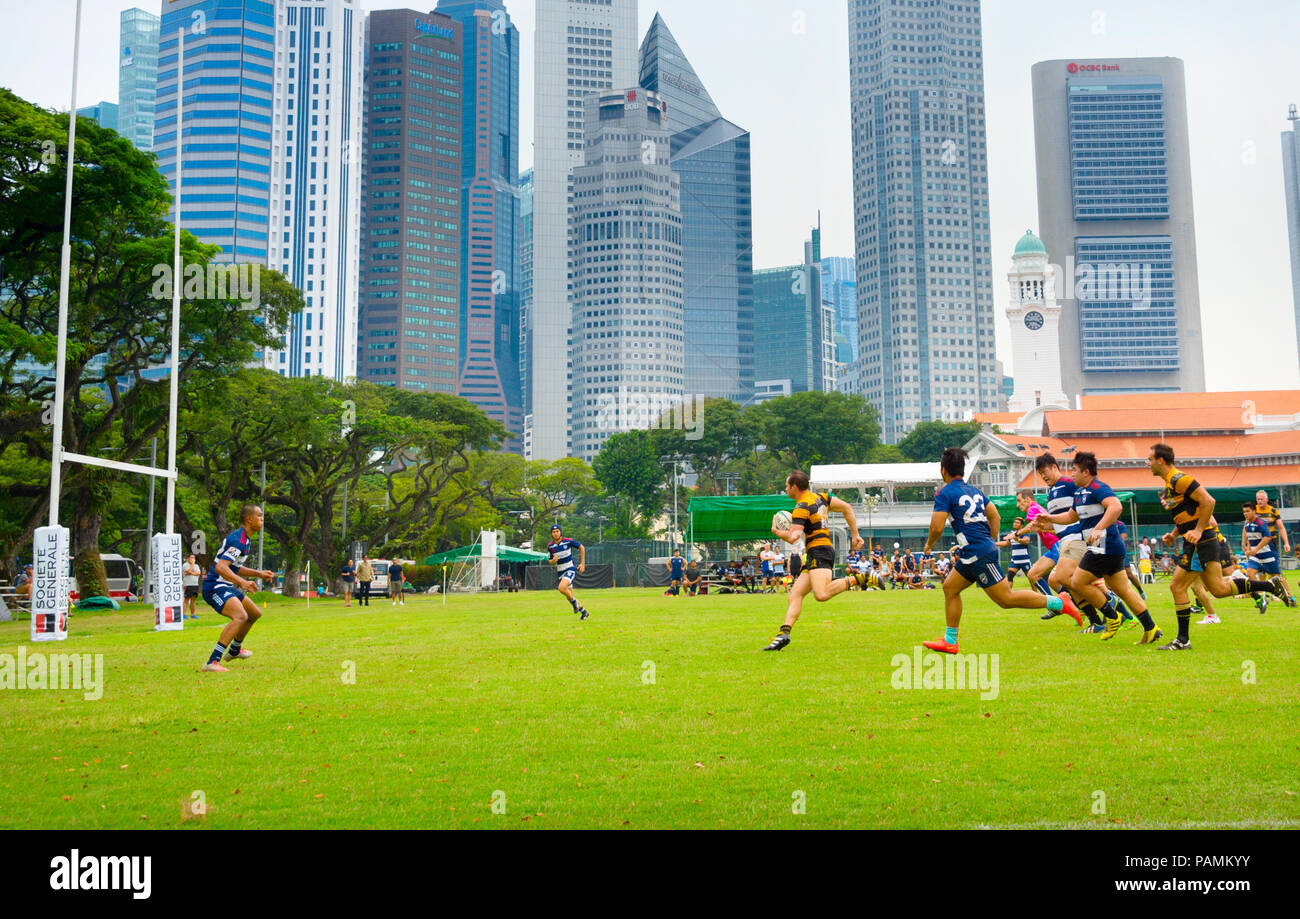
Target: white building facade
(582,47)
(1035,318)
(629,321)
(314,235)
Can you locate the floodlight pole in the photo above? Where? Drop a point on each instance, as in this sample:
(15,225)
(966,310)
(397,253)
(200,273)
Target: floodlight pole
(65,272)
(176,291)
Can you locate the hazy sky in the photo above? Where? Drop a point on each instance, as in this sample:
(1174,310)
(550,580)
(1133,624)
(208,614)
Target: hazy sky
(780,70)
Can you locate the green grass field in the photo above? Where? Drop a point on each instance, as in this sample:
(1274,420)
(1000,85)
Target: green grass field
(658,712)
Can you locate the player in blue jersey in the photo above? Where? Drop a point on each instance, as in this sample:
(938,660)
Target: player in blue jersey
(1096,510)
(561,549)
(676,568)
(975,522)
(226,587)
(1257,544)
(1021,561)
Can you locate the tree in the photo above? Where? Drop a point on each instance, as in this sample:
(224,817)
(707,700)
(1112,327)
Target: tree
(886,454)
(552,488)
(630,465)
(929,439)
(810,428)
(119,322)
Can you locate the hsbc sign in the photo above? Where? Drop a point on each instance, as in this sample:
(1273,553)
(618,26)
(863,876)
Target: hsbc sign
(1093,68)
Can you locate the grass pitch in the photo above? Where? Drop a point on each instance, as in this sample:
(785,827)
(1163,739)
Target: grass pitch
(505,711)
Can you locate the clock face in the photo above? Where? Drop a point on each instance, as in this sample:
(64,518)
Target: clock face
(1034,321)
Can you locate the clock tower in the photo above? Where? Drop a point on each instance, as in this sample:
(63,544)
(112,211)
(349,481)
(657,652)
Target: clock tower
(1035,329)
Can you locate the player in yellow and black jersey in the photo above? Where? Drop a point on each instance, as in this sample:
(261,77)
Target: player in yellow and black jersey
(817,574)
(1192,508)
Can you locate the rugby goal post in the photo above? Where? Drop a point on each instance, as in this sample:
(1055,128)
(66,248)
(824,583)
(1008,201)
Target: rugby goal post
(50,550)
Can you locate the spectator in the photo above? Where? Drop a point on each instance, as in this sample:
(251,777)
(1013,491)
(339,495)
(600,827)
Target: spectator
(397,582)
(365,575)
(190,574)
(747,572)
(347,574)
(693,578)
(24,584)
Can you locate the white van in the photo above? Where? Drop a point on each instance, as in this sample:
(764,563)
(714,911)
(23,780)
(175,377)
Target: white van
(121,572)
(379,586)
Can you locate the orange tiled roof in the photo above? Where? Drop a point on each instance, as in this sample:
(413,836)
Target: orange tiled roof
(1142,420)
(1266,402)
(1206,445)
(1007,418)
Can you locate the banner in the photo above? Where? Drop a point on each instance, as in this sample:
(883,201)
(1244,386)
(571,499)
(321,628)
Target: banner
(545,577)
(50,584)
(168,592)
(488,552)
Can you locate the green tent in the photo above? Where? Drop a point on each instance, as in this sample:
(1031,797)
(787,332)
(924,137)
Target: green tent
(735,517)
(504,554)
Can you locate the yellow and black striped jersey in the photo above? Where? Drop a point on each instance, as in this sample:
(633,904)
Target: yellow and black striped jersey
(811,512)
(1179,488)
(1269,515)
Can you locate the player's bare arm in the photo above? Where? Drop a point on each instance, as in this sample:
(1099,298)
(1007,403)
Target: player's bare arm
(938,522)
(1108,518)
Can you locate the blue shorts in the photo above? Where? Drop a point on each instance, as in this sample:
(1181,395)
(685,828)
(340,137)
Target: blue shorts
(767,569)
(217,597)
(1054,553)
(1273,567)
(569,574)
(984,571)
(1023,562)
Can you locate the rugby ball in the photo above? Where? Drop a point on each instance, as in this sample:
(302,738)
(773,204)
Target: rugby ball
(782,520)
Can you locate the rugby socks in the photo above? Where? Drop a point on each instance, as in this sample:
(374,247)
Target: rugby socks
(235,646)
(786,630)
(1091,612)
(1043,587)
(217,653)
(1184,611)
(1121,608)
(950,635)
(1111,609)
(1254,587)
(1055,604)
(574,604)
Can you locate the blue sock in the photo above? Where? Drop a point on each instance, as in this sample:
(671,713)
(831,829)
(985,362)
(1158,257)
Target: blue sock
(1043,587)
(217,654)
(950,635)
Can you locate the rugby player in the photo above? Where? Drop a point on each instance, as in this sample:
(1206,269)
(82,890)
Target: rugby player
(809,524)
(561,551)
(1192,508)
(226,590)
(975,523)
(1097,509)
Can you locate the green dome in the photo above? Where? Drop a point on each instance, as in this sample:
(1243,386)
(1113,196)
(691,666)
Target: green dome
(1030,245)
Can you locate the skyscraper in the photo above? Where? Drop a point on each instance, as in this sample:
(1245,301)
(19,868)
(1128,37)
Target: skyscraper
(106,114)
(1115,207)
(840,289)
(410,320)
(794,345)
(315,214)
(137,76)
(525,290)
(490,210)
(921,208)
(1291,183)
(628,321)
(582,47)
(228,172)
(712,158)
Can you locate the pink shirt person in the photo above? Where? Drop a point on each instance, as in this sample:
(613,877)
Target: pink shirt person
(1035,509)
